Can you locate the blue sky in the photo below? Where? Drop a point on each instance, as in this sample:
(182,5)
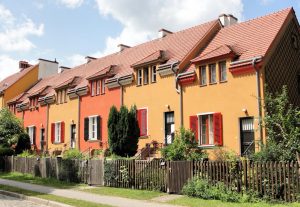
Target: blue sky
(69,30)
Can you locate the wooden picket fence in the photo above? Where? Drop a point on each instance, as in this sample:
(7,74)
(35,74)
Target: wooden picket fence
(276,180)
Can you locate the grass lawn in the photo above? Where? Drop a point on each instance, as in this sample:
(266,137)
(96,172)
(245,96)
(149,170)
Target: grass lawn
(125,193)
(195,202)
(73,202)
(28,178)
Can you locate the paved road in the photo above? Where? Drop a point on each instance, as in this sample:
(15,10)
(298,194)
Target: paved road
(109,200)
(6,201)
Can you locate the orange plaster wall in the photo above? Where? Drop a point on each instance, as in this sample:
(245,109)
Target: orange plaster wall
(98,105)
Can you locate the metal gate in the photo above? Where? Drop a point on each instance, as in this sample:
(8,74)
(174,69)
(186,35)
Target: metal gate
(179,172)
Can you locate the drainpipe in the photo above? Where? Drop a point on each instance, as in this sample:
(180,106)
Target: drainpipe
(47,123)
(122,90)
(78,124)
(258,96)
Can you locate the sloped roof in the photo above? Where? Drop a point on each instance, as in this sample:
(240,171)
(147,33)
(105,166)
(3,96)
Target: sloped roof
(250,38)
(222,50)
(10,80)
(156,56)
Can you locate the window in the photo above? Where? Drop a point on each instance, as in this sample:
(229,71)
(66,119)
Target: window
(92,128)
(207,128)
(146,75)
(222,71)
(57,132)
(93,87)
(139,77)
(98,87)
(212,73)
(103,86)
(31,133)
(153,74)
(142,117)
(65,96)
(203,75)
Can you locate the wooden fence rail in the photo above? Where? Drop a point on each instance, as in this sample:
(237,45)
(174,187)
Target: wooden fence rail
(276,180)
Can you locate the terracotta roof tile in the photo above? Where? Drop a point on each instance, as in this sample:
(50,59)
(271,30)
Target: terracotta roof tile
(156,56)
(219,51)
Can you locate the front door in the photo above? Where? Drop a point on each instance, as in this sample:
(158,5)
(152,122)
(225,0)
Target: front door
(247,136)
(73,136)
(42,138)
(169,127)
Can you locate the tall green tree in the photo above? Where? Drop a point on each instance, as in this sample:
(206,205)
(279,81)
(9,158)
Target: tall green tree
(10,128)
(281,122)
(123,131)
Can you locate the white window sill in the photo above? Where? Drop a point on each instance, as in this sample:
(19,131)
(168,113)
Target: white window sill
(208,146)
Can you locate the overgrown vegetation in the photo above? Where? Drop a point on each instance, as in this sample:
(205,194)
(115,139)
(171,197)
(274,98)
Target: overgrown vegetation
(123,131)
(72,154)
(281,122)
(184,147)
(13,138)
(201,188)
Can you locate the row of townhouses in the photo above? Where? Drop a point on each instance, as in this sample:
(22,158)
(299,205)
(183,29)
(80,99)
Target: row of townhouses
(210,78)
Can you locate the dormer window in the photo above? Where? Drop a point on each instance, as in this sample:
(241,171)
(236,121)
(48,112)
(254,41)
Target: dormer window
(212,74)
(222,71)
(61,96)
(146,75)
(33,101)
(139,77)
(103,86)
(98,87)
(153,74)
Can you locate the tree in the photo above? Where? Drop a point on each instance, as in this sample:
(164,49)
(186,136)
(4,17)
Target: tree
(10,128)
(184,147)
(281,123)
(123,131)
(23,143)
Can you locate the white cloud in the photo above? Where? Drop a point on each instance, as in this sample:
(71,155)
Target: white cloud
(14,33)
(8,66)
(71,3)
(75,60)
(142,18)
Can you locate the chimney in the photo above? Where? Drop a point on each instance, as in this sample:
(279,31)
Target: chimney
(47,68)
(227,19)
(89,59)
(63,68)
(123,47)
(23,65)
(163,32)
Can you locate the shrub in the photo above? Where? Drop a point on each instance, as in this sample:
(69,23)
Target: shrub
(23,143)
(72,154)
(201,188)
(27,153)
(184,147)
(6,151)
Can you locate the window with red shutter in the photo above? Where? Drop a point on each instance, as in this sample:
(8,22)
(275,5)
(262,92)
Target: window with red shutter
(52,132)
(142,120)
(218,132)
(194,126)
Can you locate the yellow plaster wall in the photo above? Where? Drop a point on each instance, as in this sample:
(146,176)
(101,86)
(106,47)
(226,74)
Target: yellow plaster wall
(1,102)
(155,97)
(229,98)
(21,85)
(68,113)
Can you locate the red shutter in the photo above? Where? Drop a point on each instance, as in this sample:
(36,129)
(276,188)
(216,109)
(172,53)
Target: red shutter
(142,120)
(62,132)
(218,131)
(52,132)
(194,126)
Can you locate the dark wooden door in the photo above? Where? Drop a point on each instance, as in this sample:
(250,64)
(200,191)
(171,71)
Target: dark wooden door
(247,136)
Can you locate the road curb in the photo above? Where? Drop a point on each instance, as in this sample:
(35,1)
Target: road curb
(34,199)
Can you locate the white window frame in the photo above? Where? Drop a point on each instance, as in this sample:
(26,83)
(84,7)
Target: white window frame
(212,66)
(98,87)
(211,130)
(93,88)
(223,70)
(203,76)
(145,80)
(93,134)
(103,86)
(31,133)
(153,74)
(139,77)
(57,132)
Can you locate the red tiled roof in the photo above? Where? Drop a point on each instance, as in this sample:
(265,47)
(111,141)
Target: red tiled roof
(250,38)
(222,50)
(156,56)
(10,80)
(177,44)
(104,71)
